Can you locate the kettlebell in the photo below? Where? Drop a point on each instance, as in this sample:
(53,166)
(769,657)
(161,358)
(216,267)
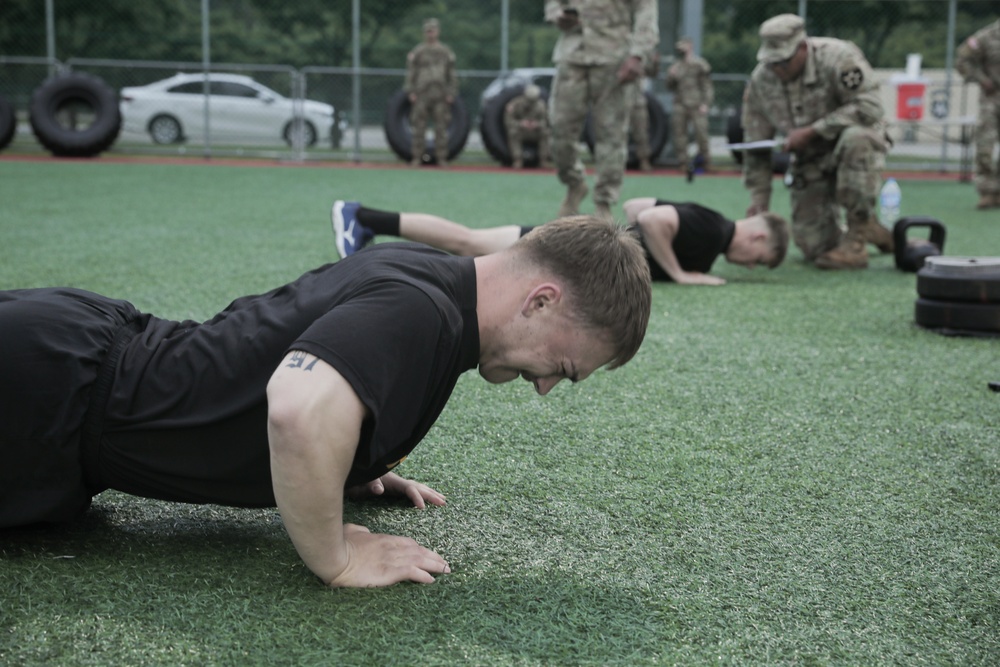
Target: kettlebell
(910,254)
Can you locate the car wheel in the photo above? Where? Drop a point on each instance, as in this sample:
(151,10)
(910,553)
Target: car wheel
(399,134)
(494,132)
(659,132)
(309,134)
(8,122)
(75,115)
(165,129)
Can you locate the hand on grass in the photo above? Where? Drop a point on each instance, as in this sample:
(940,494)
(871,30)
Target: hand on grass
(691,278)
(391,484)
(382,560)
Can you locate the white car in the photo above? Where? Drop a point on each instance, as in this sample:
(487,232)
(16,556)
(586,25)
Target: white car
(241,110)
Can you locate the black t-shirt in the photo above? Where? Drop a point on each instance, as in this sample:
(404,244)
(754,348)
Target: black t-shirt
(186,419)
(702,235)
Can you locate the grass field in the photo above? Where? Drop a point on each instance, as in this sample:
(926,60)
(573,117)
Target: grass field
(789,473)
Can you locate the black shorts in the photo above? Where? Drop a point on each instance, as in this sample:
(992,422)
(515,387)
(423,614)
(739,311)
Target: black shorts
(55,341)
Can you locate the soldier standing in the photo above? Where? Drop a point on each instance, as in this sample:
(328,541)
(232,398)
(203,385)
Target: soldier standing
(689,79)
(979,62)
(820,94)
(526,119)
(432,85)
(603,45)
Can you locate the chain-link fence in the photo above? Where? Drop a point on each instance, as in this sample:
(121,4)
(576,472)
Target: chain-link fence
(304,57)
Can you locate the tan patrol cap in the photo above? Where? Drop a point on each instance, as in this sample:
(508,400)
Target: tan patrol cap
(779,37)
(431,23)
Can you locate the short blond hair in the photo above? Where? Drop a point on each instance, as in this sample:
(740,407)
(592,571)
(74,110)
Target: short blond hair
(606,274)
(778,227)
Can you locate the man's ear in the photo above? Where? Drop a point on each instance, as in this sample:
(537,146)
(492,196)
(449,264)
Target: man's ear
(542,296)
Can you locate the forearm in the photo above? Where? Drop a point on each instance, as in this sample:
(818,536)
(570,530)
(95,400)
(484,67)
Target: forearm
(865,110)
(310,501)
(312,448)
(659,228)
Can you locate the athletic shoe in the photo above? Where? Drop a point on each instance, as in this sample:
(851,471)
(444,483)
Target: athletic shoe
(351,236)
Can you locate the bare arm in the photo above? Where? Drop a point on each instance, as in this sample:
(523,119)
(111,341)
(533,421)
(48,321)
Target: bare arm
(659,226)
(314,422)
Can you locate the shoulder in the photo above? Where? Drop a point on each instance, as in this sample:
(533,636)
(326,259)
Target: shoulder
(837,52)
(761,77)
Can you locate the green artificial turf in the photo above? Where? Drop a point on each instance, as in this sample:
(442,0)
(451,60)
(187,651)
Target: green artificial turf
(789,473)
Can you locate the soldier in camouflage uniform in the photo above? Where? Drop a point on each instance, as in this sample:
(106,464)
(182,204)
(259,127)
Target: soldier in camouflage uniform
(821,95)
(979,62)
(603,46)
(526,119)
(689,79)
(432,85)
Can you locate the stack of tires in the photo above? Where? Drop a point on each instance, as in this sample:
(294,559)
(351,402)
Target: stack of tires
(494,132)
(72,115)
(959,296)
(8,123)
(399,133)
(75,115)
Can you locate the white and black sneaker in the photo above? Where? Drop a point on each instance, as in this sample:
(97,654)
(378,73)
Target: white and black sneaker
(350,235)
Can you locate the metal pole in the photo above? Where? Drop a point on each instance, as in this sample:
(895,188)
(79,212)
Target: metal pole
(949,63)
(356,76)
(692,20)
(206,63)
(803,4)
(50,36)
(504,35)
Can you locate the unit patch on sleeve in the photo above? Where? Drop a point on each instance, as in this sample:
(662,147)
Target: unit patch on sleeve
(852,78)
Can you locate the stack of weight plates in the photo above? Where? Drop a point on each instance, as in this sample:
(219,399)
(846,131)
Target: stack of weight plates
(959,295)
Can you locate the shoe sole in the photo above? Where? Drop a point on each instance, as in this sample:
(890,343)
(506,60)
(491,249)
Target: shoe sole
(337,220)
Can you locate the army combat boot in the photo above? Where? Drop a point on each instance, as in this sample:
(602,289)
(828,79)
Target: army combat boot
(850,254)
(878,235)
(988,200)
(574,195)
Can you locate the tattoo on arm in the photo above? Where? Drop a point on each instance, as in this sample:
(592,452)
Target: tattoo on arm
(299,359)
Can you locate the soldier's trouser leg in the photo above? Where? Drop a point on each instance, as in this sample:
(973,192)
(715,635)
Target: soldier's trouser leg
(442,117)
(568,106)
(609,112)
(544,145)
(987,133)
(639,123)
(815,227)
(418,124)
(679,122)
(701,135)
(860,158)
(515,142)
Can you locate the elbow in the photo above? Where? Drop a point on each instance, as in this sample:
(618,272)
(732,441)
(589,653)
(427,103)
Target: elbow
(286,418)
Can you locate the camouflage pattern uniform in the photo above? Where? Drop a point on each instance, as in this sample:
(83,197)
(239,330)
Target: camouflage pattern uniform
(689,79)
(430,76)
(979,62)
(837,95)
(587,59)
(526,119)
(638,123)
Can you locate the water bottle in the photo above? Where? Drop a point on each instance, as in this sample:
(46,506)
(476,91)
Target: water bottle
(889,201)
